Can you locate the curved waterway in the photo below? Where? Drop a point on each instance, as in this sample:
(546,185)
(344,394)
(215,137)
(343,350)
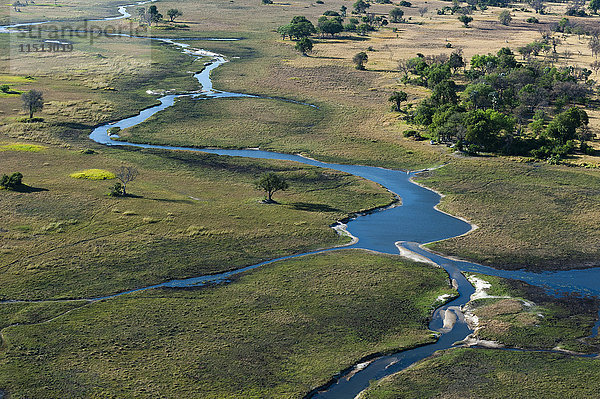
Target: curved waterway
(391,230)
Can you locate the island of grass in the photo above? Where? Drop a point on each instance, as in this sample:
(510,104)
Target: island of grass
(516,315)
(532,215)
(278,331)
(189,214)
(493,374)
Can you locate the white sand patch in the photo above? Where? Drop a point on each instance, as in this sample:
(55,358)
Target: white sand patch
(449,319)
(342,229)
(357,368)
(413,255)
(442,298)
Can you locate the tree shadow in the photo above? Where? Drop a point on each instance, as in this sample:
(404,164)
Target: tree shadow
(23,188)
(311,207)
(175,201)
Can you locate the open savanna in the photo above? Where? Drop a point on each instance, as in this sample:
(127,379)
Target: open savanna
(192,214)
(531,215)
(519,315)
(97,82)
(275,332)
(492,373)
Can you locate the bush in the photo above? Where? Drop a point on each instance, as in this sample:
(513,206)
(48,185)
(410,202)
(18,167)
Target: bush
(410,133)
(12,182)
(533,20)
(113,130)
(116,190)
(587,149)
(93,174)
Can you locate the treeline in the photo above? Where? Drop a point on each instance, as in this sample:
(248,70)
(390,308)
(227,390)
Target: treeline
(333,22)
(505,107)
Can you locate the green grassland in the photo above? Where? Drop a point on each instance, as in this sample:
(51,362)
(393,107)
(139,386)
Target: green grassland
(476,373)
(275,332)
(192,214)
(531,215)
(531,319)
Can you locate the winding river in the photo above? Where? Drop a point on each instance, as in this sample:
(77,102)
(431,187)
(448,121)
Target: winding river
(391,230)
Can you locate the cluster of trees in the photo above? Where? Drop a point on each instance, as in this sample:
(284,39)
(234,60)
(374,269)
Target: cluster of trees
(506,107)
(12,182)
(151,14)
(332,23)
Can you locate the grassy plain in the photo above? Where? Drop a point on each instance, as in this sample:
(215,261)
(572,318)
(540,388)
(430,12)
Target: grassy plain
(520,315)
(532,215)
(194,214)
(490,374)
(275,332)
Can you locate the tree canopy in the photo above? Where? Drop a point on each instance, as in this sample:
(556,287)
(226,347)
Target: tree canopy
(270,183)
(33,101)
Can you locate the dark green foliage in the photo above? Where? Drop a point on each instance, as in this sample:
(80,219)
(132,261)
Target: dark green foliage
(330,26)
(12,182)
(360,6)
(505,17)
(396,14)
(397,98)
(174,13)
(564,126)
(116,190)
(270,183)
(304,45)
(33,101)
(360,59)
(298,28)
(502,94)
(466,20)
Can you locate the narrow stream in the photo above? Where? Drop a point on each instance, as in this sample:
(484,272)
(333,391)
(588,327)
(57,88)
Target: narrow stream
(404,227)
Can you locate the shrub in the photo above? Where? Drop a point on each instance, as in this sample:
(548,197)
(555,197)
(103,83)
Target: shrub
(116,190)
(12,182)
(533,20)
(93,174)
(113,130)
(410,133)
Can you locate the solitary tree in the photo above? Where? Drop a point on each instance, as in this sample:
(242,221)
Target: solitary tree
(397,98)
(174,13)
(126,174)
(304,45)
(360,6)
(270,183)
(343,11)
(465,19)
(360,59)
(33,101)
(505,17)
(396,14)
